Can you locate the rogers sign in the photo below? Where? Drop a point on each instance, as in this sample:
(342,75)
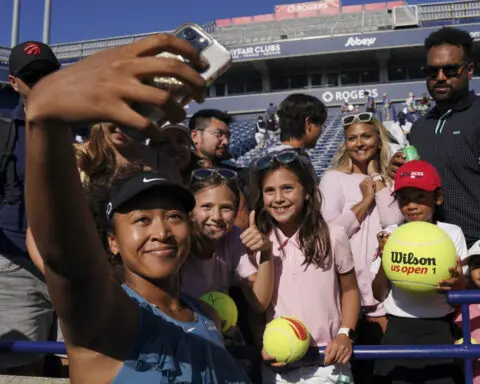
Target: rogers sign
(354,95)
(259,51)
(306,7)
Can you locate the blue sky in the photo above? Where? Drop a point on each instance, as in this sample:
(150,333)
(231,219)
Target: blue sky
(74,20)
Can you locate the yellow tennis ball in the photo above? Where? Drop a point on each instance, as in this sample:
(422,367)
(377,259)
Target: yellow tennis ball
(417,256)
(225,307)
(286,339)
(460,341)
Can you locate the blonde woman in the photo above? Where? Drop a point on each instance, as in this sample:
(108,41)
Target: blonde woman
(110,148)
(357,197)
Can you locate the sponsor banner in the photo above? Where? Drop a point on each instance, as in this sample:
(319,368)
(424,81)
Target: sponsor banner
(302,9)
(256,52)
(323,45)
(330,96)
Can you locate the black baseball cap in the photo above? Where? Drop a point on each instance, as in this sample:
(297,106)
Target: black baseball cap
(34,55)
(145,181)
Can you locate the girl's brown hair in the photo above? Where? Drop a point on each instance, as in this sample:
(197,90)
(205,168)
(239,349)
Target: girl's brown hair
(98,161)
(196,186)
(314,235)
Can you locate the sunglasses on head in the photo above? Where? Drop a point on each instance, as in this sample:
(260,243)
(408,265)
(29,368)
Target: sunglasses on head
(364,117)
(449,70)
(206,173)
(285,157)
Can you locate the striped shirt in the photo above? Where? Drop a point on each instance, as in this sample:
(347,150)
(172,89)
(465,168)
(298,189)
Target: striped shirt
(451,142)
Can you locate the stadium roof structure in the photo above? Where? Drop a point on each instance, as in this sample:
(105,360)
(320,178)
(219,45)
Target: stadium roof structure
(301,21)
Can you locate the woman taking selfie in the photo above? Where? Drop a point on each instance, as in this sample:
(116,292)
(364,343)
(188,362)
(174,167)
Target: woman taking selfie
(145,331)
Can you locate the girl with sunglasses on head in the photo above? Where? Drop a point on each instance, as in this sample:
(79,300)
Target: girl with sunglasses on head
(357,197)
(219,255)
(313,267)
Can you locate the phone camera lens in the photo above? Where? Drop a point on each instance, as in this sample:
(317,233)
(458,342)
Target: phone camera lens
(189,34)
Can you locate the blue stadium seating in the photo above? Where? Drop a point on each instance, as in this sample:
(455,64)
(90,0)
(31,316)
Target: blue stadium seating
(321,155)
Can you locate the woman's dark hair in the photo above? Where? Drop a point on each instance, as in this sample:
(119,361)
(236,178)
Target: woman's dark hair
(314,235)
(293,112)
(98,192)
(452,36)
(98,161)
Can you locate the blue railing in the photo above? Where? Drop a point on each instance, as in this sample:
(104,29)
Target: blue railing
(466,351)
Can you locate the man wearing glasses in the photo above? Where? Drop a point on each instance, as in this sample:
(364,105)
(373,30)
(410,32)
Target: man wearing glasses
(26,311)
(210,133)
(448,136)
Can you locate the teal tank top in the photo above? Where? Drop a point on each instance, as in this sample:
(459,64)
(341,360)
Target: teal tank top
(173,352)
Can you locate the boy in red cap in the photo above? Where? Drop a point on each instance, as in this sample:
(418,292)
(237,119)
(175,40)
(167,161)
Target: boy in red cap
(418,319)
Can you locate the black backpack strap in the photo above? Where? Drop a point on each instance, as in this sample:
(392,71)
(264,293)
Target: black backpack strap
(8,136)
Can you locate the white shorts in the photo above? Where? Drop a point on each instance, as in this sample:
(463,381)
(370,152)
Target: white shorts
(332,374)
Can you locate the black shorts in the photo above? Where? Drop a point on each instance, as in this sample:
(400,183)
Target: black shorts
(405,331)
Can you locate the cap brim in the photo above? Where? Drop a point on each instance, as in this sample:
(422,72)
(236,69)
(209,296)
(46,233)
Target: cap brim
(178,192)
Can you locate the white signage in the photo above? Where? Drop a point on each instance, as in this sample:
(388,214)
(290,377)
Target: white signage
(475,35)
(255,52)
(348,96)
(360,42)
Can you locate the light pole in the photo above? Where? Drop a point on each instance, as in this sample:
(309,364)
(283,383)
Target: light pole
(15,23)
(46,21)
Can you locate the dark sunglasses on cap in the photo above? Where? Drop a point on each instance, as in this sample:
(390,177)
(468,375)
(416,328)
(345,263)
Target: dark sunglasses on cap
(206,173)
(449,70)
(285,157)
(364,117)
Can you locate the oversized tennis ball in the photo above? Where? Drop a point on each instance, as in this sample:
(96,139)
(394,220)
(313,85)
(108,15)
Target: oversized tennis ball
(417,256)
(472,340)
(286,339)
(225,307)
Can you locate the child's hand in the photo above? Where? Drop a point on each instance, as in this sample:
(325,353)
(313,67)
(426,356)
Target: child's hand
(269,359)
(253,239)
(339,350)
(382,238)
(457,281)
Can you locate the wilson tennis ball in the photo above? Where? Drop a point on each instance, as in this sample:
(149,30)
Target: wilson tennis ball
(225,307)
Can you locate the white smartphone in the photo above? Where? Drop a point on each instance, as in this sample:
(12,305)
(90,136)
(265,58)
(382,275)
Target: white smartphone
(218,57)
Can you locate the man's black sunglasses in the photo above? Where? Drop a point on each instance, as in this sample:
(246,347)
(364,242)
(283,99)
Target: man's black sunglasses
(32,78)
(449,70)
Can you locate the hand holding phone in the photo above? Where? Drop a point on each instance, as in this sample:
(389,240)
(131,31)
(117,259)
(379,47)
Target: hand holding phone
(218,57)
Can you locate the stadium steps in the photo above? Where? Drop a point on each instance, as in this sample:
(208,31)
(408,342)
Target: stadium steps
(321,156)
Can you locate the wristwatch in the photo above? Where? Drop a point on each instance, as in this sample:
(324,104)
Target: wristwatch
(376,177)
(350,333)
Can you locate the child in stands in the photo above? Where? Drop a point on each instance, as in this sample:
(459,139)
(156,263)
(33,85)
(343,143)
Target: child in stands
(418,319)
(219,254)
(313,266)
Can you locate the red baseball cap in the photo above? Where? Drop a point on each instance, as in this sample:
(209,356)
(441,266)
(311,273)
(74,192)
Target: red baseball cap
(417,174)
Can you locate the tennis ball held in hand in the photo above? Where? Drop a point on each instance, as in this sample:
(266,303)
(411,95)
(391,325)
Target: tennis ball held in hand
(417,256)
(286,339)
(225,307)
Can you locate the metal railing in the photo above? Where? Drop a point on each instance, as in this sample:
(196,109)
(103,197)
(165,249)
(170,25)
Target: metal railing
(466,351)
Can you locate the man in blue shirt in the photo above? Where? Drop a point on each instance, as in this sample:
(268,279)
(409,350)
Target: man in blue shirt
(26,312)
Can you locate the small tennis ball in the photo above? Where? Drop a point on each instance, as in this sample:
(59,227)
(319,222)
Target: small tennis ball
(286,339)
(225,307)
(460,341)
(417,256)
